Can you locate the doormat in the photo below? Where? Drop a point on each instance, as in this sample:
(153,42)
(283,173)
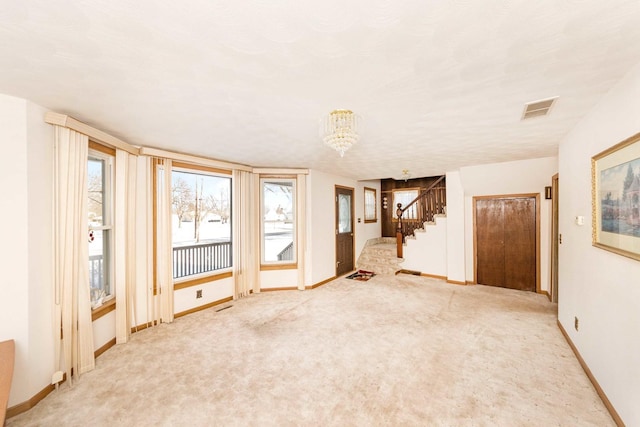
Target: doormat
(362,275)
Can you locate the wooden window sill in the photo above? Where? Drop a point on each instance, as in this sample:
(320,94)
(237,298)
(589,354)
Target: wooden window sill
(103,310)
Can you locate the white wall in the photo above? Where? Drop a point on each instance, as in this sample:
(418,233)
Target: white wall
(371,230)
(14,257)
(321,224)
(104,329)
(185,299)
(426,252)
(270,279)
(601,288)
(40,239)
(25,258)
(519,177)
(455,229)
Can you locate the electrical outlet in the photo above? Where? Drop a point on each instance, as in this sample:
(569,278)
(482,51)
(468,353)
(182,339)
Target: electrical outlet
(575,323)
(199,293)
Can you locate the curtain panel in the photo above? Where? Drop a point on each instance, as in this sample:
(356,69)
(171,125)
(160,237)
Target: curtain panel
(73,330)
(125,242)
(245,253)
(164,246)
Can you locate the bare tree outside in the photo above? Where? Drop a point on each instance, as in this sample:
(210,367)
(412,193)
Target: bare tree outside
(94,187)
(201,227)
(182,199)
(199,211)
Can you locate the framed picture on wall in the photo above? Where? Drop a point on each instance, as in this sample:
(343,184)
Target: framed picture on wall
(615,192)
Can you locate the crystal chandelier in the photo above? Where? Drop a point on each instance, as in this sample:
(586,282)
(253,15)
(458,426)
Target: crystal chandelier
(340,130)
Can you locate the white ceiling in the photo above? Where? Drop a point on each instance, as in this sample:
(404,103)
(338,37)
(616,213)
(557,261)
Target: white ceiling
(438,84)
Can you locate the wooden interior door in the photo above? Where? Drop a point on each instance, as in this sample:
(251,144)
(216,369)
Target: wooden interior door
(344,230)
(506,242)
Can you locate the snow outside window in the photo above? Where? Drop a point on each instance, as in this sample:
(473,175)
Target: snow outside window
(278,220)
(100,235)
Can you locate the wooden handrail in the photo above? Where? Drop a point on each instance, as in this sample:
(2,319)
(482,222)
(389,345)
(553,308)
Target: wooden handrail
(399,236)
(422,194)
(434,203)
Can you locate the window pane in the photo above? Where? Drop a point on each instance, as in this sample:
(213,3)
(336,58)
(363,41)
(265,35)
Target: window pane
(344,213)
(99,265)
(370,204)
(99,234)
(278,220)
(95,186)
(201,223)
(405,197)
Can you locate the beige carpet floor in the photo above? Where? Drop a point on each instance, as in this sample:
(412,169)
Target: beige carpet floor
(395,350)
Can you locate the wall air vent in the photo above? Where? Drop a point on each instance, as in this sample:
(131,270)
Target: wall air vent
(538,108)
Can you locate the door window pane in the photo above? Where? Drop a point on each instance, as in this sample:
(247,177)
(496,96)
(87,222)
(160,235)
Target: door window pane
(344,213)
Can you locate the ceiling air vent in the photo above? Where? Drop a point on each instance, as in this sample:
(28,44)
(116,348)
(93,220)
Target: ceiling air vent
(538,108)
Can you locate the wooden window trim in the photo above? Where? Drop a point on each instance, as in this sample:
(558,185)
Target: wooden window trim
(103,310)
(98,147)
(200,168)
(200,280)
(272,267)
(183,167)
(93,145)
(278,265)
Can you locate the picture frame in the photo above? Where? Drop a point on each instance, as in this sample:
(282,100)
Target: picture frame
(615,193)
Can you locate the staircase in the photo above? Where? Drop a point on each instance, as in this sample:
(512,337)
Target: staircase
(379,256)
(423,209)
(421,229)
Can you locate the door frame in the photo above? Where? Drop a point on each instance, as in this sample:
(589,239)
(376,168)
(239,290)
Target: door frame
(475,233)
(555,237)
(335,224)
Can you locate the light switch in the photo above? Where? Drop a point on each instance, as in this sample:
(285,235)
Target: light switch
(579,220)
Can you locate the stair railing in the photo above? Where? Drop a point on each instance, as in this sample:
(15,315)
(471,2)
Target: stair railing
(430,202)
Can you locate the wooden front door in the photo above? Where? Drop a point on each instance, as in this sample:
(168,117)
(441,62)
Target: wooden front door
(344,230)
(506,250)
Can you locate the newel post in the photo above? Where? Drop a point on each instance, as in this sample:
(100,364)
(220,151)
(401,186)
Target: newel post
(399,231)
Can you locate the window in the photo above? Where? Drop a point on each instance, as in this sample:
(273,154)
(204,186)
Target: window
(405,196)
(278,220)
(99,191)
(370,207)
(201,221)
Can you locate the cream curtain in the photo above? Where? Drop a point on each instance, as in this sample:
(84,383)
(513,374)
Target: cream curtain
(244,251)
(72,301)
(125,242)
(142,299)
(164,273)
